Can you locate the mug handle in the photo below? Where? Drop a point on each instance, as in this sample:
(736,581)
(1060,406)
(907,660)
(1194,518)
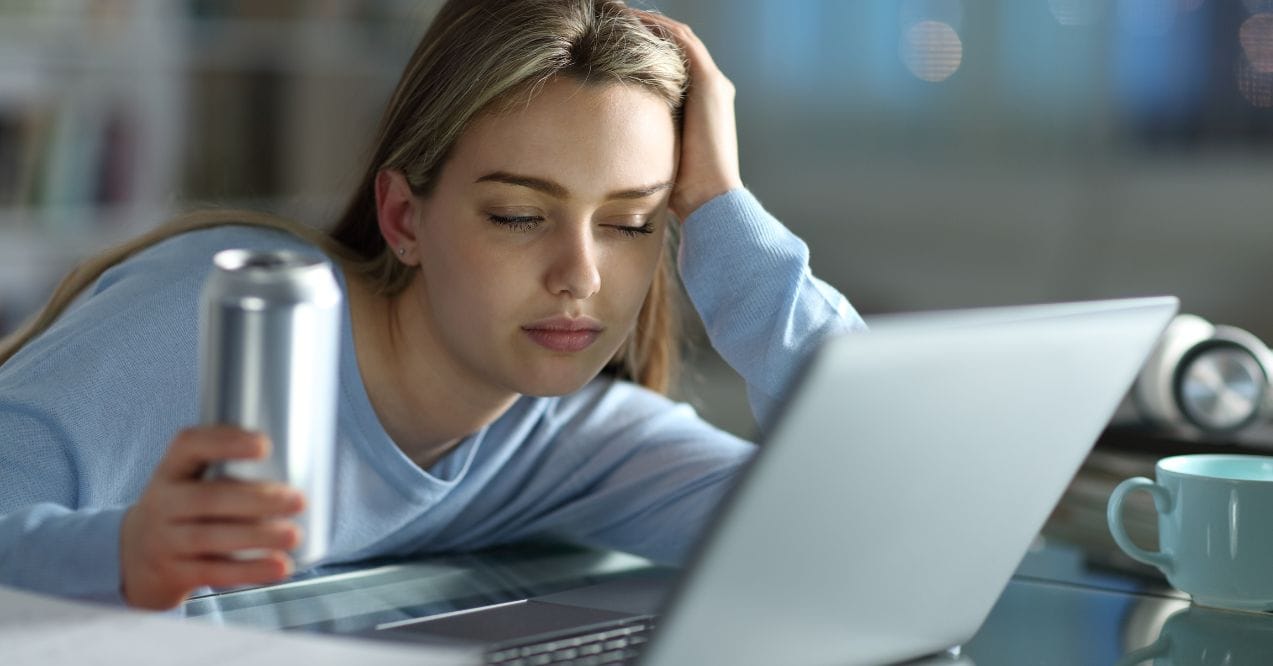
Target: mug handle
(1114,515)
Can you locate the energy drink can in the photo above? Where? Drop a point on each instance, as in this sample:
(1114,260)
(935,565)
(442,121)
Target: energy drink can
(269,347)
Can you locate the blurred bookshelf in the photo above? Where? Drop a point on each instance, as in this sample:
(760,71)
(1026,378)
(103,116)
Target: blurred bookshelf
(117,114)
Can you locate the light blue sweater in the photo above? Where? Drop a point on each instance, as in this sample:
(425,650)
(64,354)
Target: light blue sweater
(88,408)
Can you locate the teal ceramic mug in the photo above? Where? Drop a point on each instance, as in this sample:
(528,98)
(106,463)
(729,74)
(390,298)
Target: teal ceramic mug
(1215,527)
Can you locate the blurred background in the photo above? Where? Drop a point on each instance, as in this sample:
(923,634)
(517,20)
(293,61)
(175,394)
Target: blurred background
(933,153)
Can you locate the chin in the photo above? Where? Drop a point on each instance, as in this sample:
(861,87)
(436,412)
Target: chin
(554,382)
(555,388)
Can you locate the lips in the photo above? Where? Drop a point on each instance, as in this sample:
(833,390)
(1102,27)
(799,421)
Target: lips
(564,334)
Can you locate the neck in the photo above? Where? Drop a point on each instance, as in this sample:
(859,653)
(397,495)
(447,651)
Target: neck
(424,402)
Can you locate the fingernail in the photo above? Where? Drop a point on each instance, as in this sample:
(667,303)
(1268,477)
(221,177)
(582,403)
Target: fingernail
(287,500)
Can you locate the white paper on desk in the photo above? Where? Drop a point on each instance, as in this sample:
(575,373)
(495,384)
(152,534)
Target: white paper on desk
(38,629)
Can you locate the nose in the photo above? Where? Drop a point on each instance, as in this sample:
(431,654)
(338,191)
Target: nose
(573,270)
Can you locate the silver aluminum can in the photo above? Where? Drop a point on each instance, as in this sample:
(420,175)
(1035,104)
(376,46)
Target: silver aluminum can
(269,348)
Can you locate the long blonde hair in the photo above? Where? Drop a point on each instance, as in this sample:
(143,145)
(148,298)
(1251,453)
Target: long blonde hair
(478,56)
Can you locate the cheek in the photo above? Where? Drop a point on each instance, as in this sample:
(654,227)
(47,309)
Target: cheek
(466,282)
(631,274)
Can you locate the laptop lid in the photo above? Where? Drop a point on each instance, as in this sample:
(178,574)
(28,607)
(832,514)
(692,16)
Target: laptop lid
(902,483)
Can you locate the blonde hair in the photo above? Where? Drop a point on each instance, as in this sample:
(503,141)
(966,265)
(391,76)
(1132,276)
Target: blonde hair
(478,56)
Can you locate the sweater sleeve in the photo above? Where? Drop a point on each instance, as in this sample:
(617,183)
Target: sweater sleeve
(748,277)
(45,545)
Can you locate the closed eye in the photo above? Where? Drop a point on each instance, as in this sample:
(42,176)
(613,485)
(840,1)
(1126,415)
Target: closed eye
(516,222)
(643,230)
(525,223)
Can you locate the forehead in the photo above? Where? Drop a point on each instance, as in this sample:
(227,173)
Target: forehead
(591,137)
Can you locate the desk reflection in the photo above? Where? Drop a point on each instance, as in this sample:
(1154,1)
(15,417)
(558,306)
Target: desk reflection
(354,598)
(1199,636)
(1065,606)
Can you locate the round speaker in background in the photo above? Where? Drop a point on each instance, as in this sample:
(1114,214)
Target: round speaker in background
(1205,379)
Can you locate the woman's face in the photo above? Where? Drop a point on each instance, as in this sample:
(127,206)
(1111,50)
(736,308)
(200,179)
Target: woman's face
(543,234)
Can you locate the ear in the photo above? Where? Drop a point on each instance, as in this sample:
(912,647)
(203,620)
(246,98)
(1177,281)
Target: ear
(397,211)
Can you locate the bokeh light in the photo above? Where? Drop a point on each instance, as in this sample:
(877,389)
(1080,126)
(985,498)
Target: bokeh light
(932,50)
(1256,37)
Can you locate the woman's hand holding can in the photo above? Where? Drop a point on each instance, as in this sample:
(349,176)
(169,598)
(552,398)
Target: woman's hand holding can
(183,533)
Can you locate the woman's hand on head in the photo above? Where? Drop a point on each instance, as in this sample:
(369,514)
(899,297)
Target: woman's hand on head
(708,164)
(182,533)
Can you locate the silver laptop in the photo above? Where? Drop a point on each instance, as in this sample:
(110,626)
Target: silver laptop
(890,503)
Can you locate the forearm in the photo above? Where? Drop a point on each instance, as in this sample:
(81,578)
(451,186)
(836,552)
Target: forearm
(51,549)
(749,279)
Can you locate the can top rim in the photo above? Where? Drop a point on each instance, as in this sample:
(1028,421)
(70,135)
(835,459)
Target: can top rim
(264,261)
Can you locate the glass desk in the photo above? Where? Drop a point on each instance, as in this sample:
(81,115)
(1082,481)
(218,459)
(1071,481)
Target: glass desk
(1062,607)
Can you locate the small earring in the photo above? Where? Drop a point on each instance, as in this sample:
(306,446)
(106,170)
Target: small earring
(402,251)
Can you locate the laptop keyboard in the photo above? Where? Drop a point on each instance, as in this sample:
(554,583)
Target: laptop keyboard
(611,645)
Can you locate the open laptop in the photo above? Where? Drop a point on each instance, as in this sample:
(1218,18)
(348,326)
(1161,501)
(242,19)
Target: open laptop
(904,479)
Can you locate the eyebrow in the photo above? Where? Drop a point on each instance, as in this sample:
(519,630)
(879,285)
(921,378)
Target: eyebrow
(559,191)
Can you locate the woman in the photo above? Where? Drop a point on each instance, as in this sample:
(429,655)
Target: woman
(506,245)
